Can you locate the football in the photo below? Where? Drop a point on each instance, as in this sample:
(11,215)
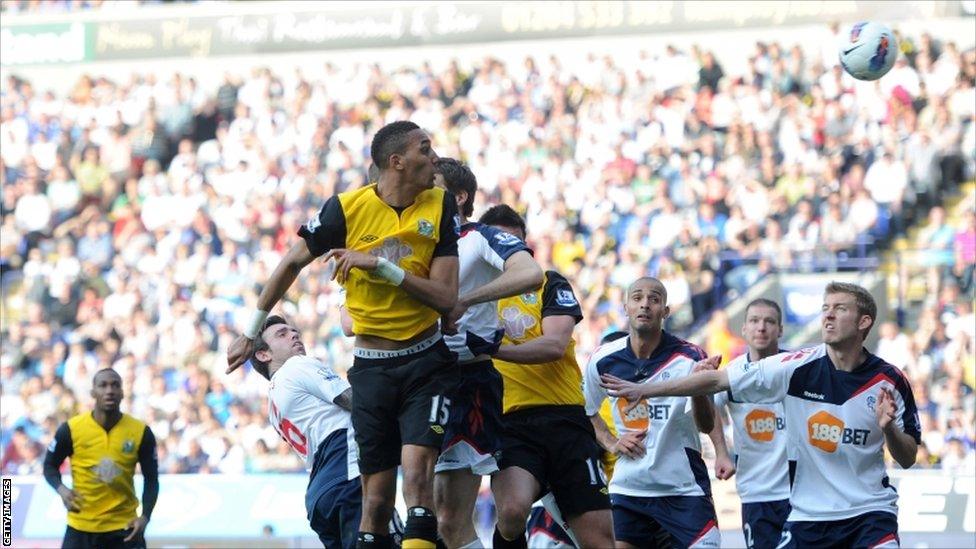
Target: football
(868,51)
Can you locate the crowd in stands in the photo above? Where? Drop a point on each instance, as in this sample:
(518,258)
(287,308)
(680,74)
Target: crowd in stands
(140,215)
(55,6)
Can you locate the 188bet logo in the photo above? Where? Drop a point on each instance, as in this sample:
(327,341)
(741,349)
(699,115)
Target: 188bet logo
(762,425)
(826,432)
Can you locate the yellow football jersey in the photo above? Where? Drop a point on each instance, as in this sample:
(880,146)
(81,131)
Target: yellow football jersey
(102,466)
(552,383)
(410,237)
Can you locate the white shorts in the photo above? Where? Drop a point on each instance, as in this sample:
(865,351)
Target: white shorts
(462,455)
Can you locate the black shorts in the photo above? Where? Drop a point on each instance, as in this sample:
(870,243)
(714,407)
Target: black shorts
(76,539)
(473,436)
(558,446)
(398,401)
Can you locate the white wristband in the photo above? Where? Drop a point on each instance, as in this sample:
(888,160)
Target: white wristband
(256,324)
(389,271)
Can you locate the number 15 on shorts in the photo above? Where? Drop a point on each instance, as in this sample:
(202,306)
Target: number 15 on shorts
(439,410)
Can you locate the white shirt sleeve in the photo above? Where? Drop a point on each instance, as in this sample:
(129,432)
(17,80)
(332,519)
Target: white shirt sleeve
(321,381)
(592,391)
(763,382)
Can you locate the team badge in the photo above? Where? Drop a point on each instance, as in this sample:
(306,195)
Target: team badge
(425,228)
(106,471)
(665,376)
(529,298)
(128,446)
(565,298)
(506,239)
(457,225)
(392,250)
(871,401)
(313,224)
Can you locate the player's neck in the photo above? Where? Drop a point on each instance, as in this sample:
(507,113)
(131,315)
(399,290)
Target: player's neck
(643,346)
(848,356)
(759,354)
(106,419)
(395,194)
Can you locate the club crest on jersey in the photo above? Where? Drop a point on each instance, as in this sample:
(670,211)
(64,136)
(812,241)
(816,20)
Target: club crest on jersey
(516,323)
(529,298)
(392,250)
(425,228)
(565,298)
(128,446)
(106,470)
(871,401)
(457,225)
(665,376)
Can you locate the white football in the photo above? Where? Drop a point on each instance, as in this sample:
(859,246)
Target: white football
(868,51)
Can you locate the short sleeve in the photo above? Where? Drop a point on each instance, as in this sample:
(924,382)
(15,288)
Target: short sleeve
(450,228)
(721,399)
(323,382)
(592,391)
(907,413)
(765,381)
(327,230)
(558,298)
(499,246)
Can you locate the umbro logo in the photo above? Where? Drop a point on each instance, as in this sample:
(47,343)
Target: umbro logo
(369,238)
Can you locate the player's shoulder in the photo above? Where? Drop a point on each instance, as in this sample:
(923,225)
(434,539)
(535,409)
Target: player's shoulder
(684,347)
(296,367)
(609,352)
(877,366)
(132,422)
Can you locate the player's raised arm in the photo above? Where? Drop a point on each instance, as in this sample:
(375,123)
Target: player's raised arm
(702,383)
(284,275)
(903,446)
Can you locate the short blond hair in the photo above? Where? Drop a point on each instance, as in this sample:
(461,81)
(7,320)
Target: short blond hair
(862,298)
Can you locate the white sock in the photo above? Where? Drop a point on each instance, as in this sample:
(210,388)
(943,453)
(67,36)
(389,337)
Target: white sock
(549,502)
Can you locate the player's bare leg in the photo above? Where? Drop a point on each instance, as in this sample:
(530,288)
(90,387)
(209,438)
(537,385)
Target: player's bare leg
(594,528)
(455,493)
(379,498)
(515,489)
(418,493)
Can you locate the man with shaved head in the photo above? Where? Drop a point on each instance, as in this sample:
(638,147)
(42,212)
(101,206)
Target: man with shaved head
(660,491)
(105,445)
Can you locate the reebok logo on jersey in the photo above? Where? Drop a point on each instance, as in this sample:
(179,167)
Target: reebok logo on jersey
(763,424)
(826,432)
(817,396)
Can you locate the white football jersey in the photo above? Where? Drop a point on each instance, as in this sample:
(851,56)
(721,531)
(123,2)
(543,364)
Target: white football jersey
(759,446)
(301,407)
(836,455)
(482,251)
(672,465)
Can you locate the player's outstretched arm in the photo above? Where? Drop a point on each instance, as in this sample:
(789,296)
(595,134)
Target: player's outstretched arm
(902,446)
(439,292)
(521,275)
(707,382)
(557,330)
(284,275)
